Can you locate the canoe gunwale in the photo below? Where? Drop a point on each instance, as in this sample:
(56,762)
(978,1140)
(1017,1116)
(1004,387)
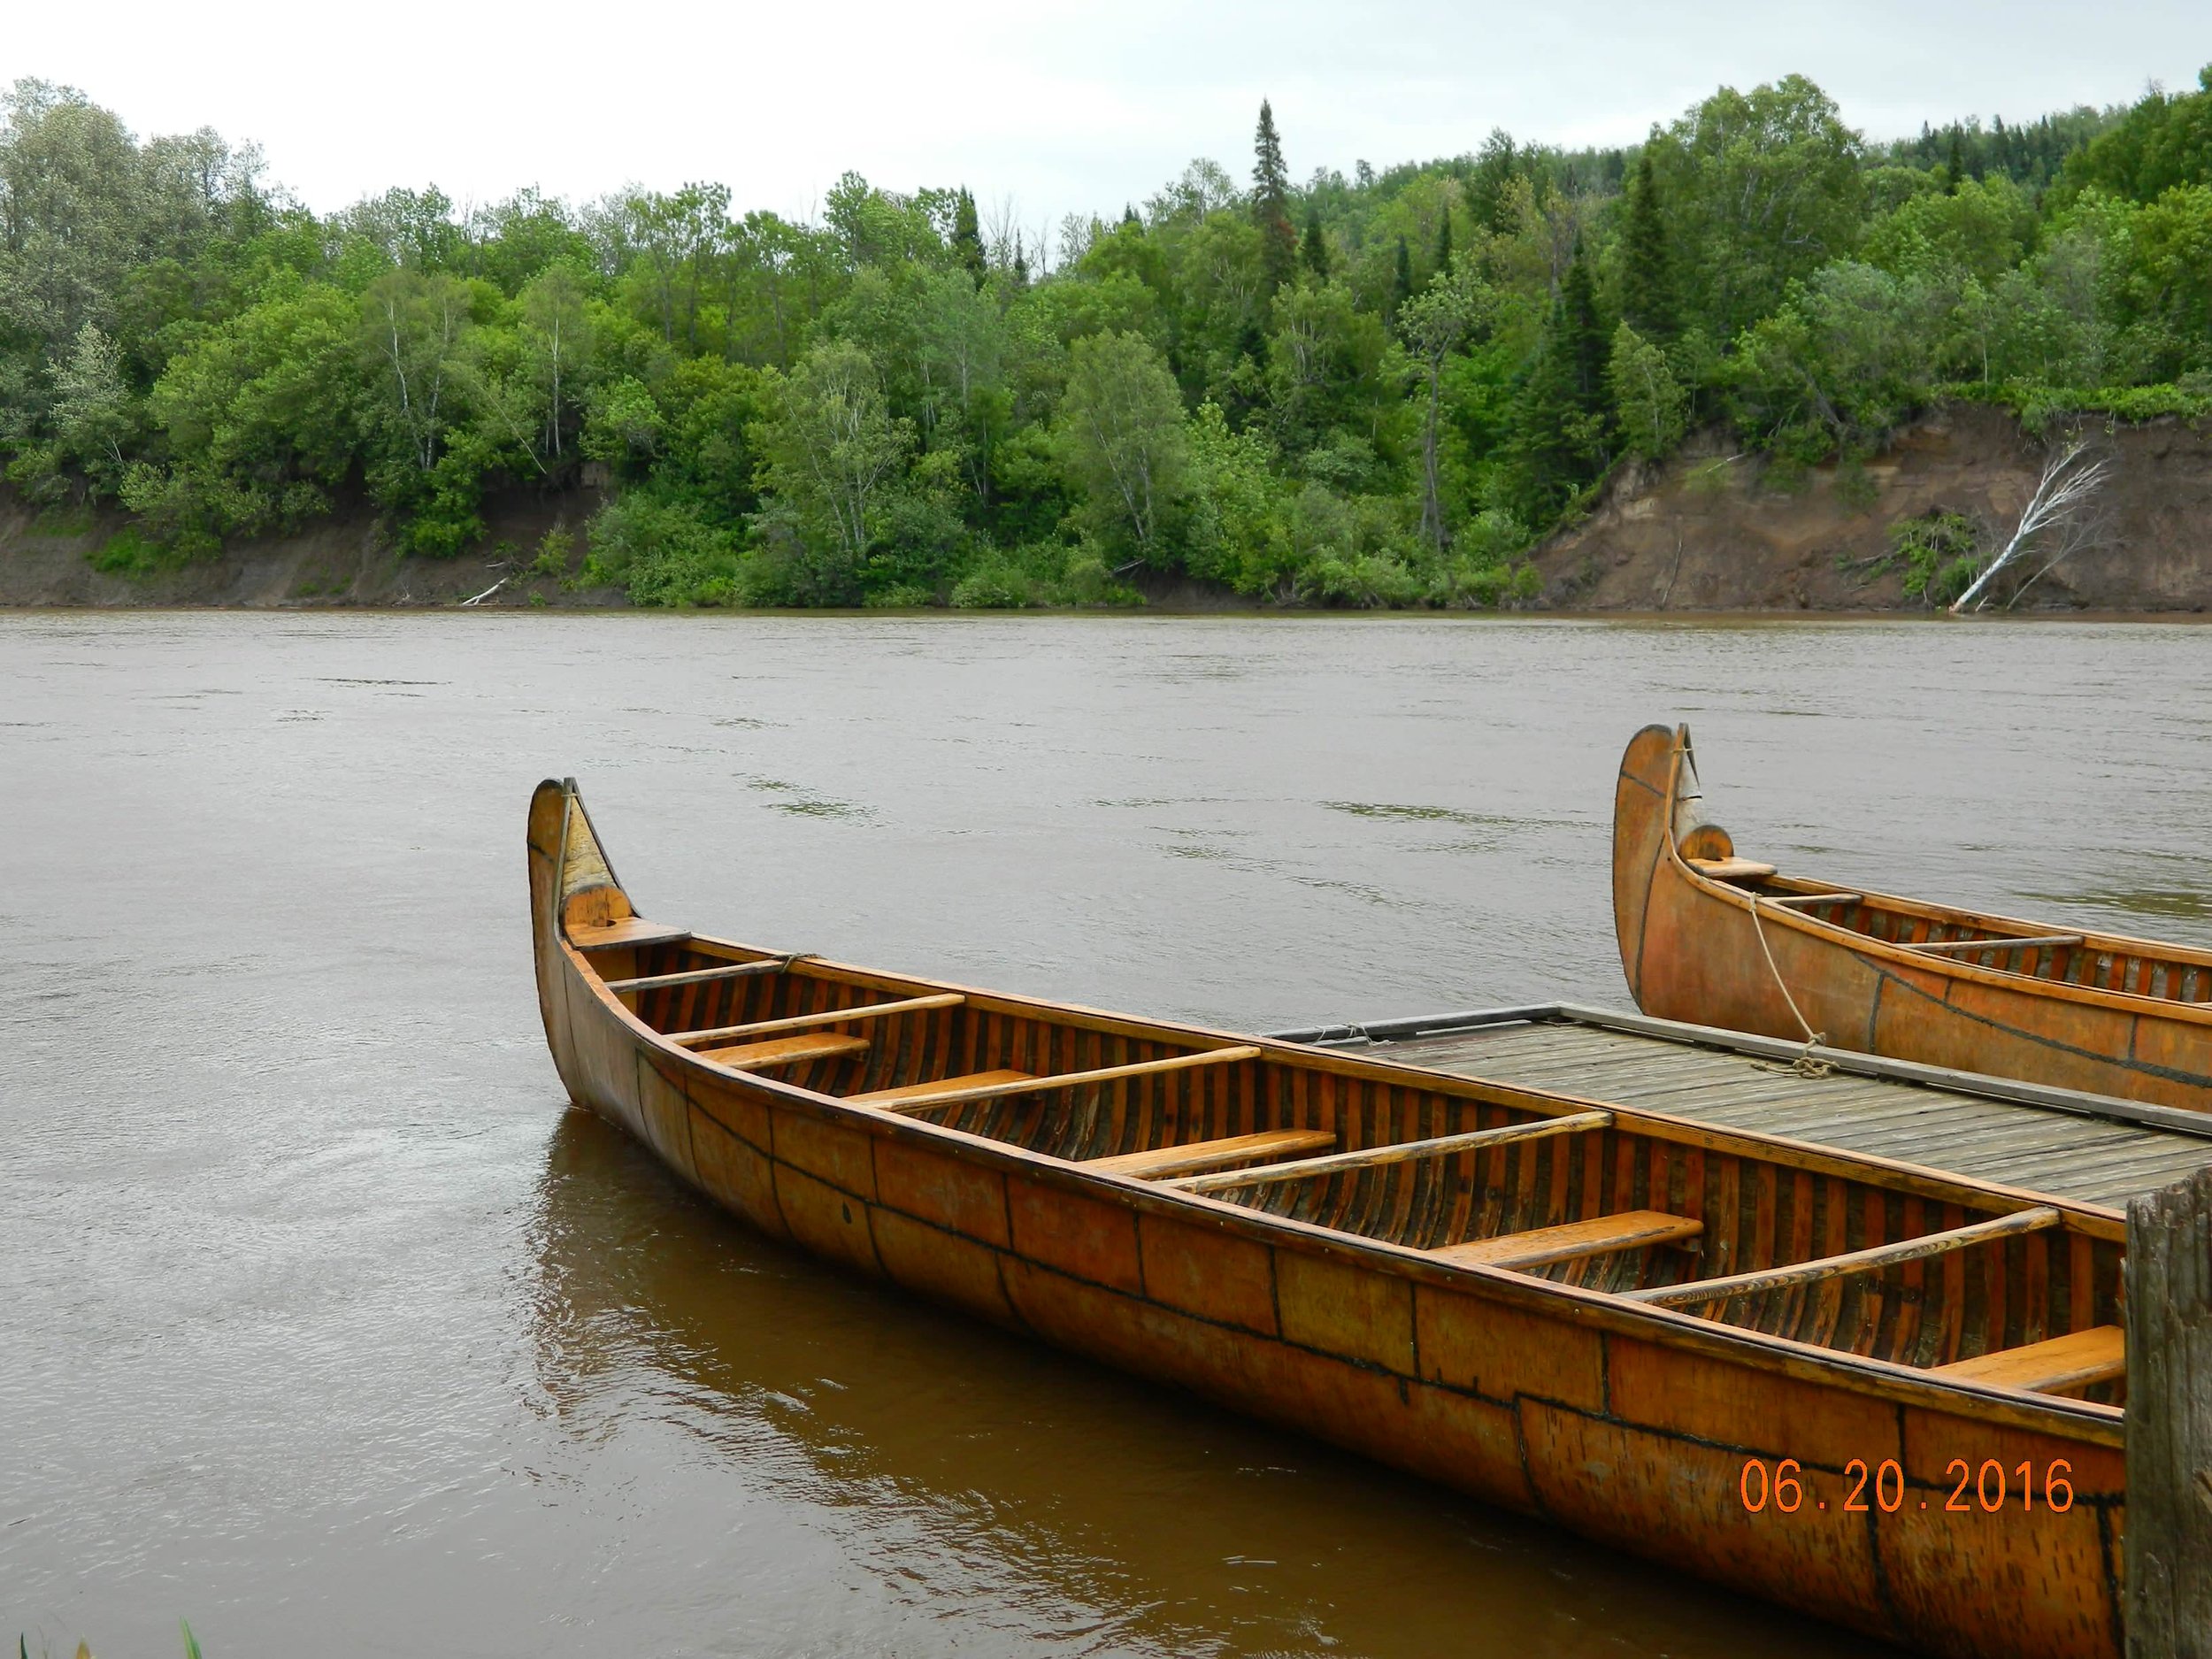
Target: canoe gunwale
(1802,1362)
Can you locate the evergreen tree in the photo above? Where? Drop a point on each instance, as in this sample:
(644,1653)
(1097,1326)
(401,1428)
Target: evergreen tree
(1560,445)
(1957,165)
(1313,248)
(1647,297)
(1400,282)
(1129,215)
(1021,263)
(1271,203)
(1444,242)
(967,237)
(1587,340)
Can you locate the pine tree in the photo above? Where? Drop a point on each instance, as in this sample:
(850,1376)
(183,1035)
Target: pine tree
(1021,263)
(1444,242)
(1129,215)
(967,237)
(1271,203)
(1957,165)
(1648,298)
(1400,282)
(1560,442)
(1588,344)
(1313,247)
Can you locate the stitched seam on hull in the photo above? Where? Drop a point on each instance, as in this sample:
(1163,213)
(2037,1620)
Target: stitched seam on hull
(2147,1068)
(1849,1380)
(1606,1415)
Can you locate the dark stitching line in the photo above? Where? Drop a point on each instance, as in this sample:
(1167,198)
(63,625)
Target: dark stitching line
(2167,1072)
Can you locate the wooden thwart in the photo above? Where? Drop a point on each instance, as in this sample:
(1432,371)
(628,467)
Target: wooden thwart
(756,1056)
(1947,946)
(1157,1162)
(827,1016)
(958,1091)
(1630,1229)
(1730,869)
(2036,1220)
(2063,1363)
(1404,1151)
(1812,898)
(628,934)
(699,976)
(886,1096)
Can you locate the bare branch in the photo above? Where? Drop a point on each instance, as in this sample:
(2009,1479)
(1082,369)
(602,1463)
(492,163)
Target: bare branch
(2071,480)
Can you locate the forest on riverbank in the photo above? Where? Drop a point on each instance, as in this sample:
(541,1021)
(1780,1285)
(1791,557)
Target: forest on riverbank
(1379,389)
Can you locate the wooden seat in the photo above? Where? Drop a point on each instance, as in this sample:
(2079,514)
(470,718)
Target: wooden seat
(876,1097)
(2055,1366)
(1630,1229)
(1730,869)
(630,932)
(758,1057)
(1154,1162)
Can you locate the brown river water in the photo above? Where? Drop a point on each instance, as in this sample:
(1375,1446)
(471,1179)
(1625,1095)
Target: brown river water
(326,1324)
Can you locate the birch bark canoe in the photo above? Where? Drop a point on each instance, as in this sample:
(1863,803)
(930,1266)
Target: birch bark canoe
(2103,1013)
(1347,1302)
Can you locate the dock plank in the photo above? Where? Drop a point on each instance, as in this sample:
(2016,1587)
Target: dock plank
(2018,1143)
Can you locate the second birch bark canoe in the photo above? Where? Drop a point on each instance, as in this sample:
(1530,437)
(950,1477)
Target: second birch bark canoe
(1630,1325)
(2065,1006)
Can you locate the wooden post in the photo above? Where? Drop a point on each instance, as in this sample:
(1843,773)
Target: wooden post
(2169,1538)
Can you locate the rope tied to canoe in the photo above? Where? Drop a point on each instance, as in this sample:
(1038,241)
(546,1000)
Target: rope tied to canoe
(1805,1064)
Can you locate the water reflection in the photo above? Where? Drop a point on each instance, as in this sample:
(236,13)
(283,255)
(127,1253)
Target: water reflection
(1033,1496)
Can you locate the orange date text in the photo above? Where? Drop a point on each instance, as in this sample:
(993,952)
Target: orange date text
(1787,1487)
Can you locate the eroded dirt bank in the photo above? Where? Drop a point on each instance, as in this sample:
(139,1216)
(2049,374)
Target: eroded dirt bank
(1708,531)
(48,558)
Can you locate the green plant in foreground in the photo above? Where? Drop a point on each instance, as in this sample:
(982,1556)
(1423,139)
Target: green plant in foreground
(84,1649)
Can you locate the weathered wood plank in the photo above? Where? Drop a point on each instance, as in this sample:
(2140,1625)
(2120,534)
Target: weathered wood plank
(2052,1366)
(1195,1156)
(2168,1546)
(1629,1230)
(628,933)
(759,1057)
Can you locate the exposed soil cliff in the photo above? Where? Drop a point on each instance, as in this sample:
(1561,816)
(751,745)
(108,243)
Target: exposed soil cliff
(1705,531)
(50,559)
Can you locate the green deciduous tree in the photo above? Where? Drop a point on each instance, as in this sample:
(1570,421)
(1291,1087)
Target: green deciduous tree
(1122,438)
(1435,323)
(831,453)
(1649,406)
(1766,186)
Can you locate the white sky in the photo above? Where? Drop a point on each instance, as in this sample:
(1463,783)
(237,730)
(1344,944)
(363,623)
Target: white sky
(1079,105)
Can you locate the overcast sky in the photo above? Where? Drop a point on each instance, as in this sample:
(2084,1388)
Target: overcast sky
(1079,105)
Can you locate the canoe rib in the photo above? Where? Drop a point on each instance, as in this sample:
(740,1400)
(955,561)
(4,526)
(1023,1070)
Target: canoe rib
(1329,1302)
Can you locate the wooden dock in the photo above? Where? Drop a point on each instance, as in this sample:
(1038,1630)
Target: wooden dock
(2091,1148)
